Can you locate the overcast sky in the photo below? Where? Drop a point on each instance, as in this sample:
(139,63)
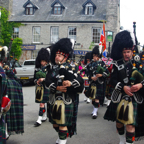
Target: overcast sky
(133,10)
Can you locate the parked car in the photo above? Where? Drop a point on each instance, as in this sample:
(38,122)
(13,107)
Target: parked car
(25,73)
(15,65)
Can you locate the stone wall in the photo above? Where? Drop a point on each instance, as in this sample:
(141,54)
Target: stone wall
(7,4)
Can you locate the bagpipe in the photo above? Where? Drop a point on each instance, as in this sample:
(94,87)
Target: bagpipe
(92,69)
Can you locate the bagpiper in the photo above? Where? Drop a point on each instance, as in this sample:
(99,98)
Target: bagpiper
(42,66)
(86,62)
(97,72)
(64,84)
(127,106)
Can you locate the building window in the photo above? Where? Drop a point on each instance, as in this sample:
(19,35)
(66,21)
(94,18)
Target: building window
(72,33)
(36,34)
(96,35)
(90,11)
(15,32)
(54,34)
(57,10)
(29,10)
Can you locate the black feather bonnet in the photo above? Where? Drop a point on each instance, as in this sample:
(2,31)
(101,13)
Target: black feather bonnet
(87,56)
(43,54)
(63,46)
(96,51)
(123,40)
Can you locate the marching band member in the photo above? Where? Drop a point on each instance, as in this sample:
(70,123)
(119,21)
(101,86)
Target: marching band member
(3,98)
(87,61)
(41,68)
(14,117)
(97,74)
(127,106)
(64,85)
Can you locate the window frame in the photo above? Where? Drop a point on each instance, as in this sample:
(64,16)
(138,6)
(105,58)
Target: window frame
(57,7)
(14,35)
(35,34)
(52,35)
(97,37)
(28,10)
(72,37)
(88,10)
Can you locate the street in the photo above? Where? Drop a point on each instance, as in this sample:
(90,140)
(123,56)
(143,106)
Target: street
(89,131)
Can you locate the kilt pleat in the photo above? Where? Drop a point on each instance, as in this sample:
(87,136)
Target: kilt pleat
(100,94)
(14,117)
(73,128)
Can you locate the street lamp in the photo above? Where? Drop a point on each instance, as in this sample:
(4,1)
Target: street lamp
(109,39)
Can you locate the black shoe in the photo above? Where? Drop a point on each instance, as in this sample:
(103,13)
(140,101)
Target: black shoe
(37,124)
(7,137)
(94,116)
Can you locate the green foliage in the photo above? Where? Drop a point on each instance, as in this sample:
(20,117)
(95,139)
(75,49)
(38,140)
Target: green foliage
(16,48)
(6,27)
(91,45)
(6,31)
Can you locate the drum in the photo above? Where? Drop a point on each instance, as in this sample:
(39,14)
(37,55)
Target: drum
(86,83)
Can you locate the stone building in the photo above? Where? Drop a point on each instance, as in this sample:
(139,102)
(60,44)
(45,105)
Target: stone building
(46,21)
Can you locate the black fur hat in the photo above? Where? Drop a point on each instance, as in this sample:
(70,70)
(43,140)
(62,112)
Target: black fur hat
(96,51)
(43,54)
(87,56)
(63,46)
(3,52)
(122,40)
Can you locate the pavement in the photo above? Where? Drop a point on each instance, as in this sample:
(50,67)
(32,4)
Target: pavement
(89,131)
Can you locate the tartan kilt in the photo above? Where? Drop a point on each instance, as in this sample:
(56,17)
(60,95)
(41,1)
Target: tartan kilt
(14,117)
(2,130)
(139,129)
(45,97)
(112,109)
(68,115)
(49,112)
(73,128)
(100,94)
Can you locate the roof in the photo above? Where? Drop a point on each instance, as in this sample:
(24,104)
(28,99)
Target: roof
(89,1)
(29,2)
(57,1)
(73,11)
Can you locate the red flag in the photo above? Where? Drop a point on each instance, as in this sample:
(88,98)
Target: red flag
(102,43)
(103,39)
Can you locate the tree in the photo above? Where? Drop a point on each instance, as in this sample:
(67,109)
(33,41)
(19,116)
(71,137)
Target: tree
(6,28)
(92,45)
(16,48)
